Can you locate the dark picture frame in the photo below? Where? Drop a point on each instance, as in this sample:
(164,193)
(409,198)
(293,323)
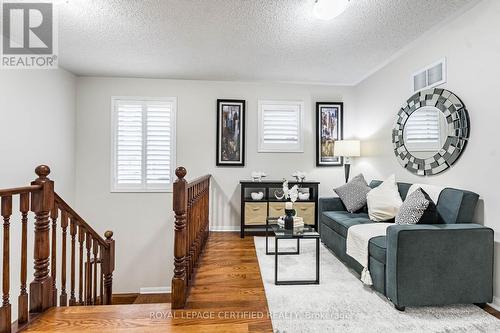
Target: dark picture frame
(231,133)
(329,128)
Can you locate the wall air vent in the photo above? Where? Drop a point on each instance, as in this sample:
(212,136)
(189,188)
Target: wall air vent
(430,76)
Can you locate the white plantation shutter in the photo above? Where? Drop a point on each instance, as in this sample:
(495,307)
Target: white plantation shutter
(158,143)
(128,156)
(280,126)
(143,144)
(423,130)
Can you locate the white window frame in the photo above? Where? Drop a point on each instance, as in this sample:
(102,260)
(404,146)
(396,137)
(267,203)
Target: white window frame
(142,188)
(425,69)
(281,148)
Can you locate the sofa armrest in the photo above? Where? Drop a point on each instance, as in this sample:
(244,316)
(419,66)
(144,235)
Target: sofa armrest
(330,204)
(439,264)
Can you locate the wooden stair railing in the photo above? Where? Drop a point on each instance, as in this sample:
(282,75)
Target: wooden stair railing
(191,207)
(47,206)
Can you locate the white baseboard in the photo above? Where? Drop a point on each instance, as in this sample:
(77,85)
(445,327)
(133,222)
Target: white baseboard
(155,290)
(495,304)
(225,228)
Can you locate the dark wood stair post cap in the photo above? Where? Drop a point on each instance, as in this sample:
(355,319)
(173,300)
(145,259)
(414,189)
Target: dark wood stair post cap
(108,234)
(181,172)
(42,171)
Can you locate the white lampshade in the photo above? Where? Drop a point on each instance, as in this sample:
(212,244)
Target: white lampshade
(347,148)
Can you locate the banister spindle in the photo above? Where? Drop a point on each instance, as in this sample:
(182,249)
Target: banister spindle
(42,201)
(189,233)
(72,231)
(81,238)
(54,214)
(192,227)
(5,310)
(63,299)
(101,275)
(22,301)
(207,211)
(88,270)
(94,267)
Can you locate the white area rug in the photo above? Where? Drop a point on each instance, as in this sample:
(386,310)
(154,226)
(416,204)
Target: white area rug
(341,303)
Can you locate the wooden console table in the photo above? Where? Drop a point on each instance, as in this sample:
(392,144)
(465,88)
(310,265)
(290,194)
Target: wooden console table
(255,212)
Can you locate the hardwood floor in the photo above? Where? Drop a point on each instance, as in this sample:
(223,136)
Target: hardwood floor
(492,311)
(227,296)
(152,298)
(136,298)
(228,282)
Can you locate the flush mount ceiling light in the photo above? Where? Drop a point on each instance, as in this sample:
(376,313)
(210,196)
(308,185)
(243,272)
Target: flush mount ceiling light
(329,9)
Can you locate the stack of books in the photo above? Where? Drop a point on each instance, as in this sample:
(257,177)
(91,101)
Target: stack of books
(297,222)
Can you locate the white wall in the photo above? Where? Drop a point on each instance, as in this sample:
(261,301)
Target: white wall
(471,46)
(143,223)
(37,126)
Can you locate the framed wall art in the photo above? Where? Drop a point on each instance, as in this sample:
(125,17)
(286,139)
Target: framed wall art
(329,128)
(230,132)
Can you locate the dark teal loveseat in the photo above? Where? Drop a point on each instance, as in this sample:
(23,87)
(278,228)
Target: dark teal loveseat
(423,264)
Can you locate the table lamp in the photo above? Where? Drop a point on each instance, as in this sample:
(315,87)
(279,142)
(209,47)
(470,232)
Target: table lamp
(347,149)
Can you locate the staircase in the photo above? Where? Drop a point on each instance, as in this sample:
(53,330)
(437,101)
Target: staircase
(90,259)
(50,306)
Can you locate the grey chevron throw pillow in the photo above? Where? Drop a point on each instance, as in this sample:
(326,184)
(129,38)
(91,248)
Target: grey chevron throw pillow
(353,194)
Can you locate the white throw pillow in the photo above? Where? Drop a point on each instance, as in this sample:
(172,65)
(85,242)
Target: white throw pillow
(384,201)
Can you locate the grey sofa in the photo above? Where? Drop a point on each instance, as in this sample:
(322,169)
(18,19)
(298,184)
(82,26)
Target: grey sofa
(423,264)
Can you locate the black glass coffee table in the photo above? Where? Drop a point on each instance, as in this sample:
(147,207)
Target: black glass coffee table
(279,233)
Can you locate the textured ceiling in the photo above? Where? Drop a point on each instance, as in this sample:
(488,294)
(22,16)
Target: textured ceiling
(271,40)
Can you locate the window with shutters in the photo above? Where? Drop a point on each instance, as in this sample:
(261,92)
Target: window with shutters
(143,144)
(280,126)
(423,130)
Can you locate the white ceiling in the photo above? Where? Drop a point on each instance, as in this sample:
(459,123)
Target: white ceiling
(245,40)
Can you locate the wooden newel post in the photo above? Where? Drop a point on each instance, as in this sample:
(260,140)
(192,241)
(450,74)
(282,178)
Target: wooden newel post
(108,267)
(42,202)
(179,283)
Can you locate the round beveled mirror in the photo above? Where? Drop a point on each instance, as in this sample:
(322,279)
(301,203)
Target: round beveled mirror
(430,132)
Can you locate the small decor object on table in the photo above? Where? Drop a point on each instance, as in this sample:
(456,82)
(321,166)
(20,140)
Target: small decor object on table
(304,195)
(293,195)
(290,212)
(258,175)
(279,194)
(230,132)
(299,176)
(298,222)
(257,195)
(329,130)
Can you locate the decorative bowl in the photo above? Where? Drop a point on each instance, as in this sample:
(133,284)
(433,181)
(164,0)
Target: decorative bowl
(304,196)
(257,195)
